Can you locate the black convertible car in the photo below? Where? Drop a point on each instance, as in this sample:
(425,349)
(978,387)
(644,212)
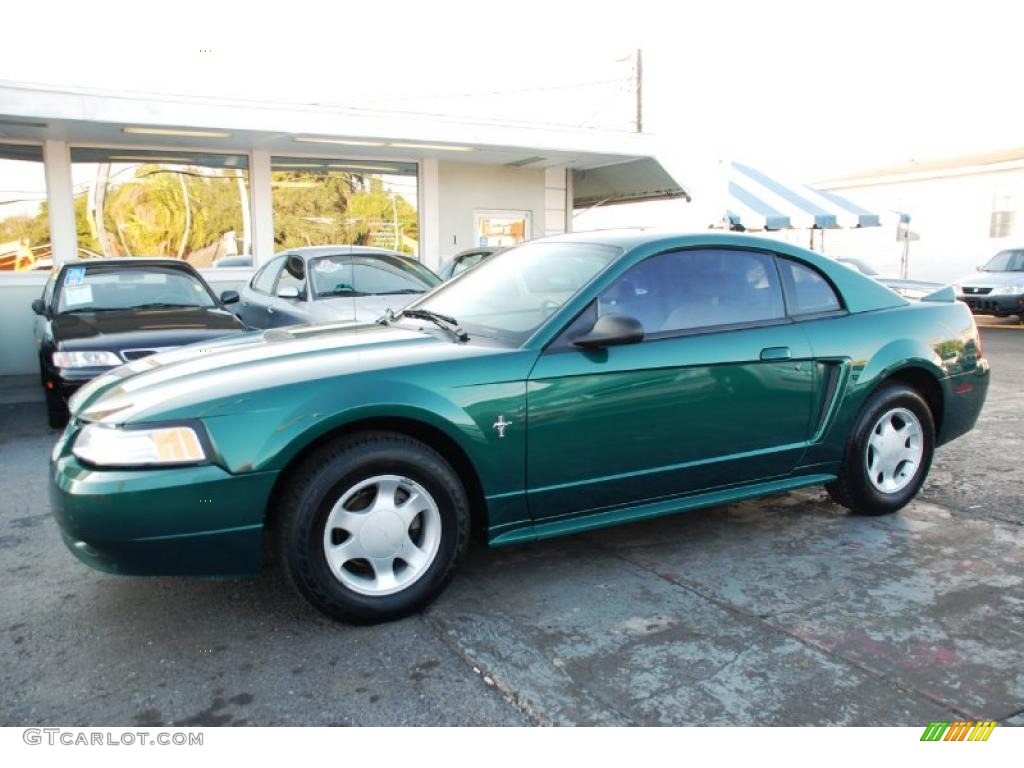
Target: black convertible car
(95,315)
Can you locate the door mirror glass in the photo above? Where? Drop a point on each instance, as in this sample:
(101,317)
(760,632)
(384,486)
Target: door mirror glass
(38,307)
(229,297)
(612,330)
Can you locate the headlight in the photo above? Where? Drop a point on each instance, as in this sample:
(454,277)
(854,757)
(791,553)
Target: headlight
(85,359)
(104,445)
(1007,290)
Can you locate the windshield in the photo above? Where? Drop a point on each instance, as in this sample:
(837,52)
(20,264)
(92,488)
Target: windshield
(101,288)
(1006,261)
(509,295)
(365,274)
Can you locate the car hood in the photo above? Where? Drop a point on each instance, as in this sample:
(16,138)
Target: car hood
(216,377)
(991,279)
(157,327)
(368,309)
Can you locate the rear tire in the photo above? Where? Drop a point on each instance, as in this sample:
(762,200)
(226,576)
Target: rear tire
(372,527)
(888,455)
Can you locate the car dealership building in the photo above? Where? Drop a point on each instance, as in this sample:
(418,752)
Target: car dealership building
(87,173)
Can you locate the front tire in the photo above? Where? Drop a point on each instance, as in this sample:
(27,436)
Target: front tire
(888,455)
(372,527)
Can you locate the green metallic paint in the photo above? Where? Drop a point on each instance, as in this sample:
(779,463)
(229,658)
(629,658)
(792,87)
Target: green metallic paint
(656,508)
(690,408)
(595,437)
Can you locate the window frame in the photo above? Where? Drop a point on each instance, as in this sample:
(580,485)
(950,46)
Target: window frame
(560,342)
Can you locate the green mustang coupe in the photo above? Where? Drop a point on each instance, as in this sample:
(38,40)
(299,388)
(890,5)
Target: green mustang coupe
(570,383)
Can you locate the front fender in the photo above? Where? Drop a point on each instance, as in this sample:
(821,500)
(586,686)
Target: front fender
(269,437)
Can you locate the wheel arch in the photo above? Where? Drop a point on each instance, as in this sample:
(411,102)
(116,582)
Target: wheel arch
(924,381)
(408,426)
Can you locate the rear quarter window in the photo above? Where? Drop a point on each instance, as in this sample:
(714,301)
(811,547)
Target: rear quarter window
(807,290)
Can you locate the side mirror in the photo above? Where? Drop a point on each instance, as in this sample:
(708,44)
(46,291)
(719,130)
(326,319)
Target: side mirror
(288,292)
(610,331)
(38,307)
(229,297)
(296,267)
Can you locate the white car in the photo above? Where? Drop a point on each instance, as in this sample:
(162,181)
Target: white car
(332,284)
(997,288)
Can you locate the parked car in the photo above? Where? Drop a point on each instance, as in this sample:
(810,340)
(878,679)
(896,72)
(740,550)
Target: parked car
(330,284)
(233,261)
(95,315)
(570,383)
(460,262)
(997,288)
(909,289)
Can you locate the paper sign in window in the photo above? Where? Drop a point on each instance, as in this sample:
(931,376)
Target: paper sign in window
(77,294)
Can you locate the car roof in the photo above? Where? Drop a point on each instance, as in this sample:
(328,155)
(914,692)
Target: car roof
(130,261)
(313,251)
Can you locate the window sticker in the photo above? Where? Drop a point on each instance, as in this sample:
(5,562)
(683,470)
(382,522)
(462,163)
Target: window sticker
(74,276)
(77,294)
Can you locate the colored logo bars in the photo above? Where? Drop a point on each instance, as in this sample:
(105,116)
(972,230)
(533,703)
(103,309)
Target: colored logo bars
(961,730)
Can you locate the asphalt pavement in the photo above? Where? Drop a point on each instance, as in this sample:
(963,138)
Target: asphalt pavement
(780,611)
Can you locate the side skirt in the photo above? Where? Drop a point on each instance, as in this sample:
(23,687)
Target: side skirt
(606,518)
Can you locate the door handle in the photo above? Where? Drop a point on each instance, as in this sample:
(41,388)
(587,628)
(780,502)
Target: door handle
(270,310)
(776,353)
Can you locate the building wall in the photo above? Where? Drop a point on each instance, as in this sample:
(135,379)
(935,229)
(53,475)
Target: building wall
(17,340)
(464,188)
(951,216)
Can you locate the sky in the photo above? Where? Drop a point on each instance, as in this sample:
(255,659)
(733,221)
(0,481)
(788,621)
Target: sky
(806,90)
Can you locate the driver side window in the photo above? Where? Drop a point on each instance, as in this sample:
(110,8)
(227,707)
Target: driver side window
(689,290)
(696,289)
(263,281)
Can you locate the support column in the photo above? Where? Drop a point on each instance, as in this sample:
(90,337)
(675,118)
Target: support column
(428,196)
(554,200)
(60,200)
(262,207)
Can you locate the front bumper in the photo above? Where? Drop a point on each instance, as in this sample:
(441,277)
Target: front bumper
(182,521)
(987,304)
(69,380)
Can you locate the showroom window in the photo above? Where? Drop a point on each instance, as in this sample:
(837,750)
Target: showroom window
(183,205)
(344,202)
(24,223)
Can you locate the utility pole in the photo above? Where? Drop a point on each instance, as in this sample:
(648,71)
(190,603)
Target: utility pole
(639,91)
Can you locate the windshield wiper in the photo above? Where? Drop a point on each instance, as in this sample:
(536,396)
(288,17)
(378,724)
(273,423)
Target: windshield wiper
(159,305)
(77,310)
(445,322)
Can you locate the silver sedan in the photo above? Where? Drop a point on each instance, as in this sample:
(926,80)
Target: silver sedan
(331,284)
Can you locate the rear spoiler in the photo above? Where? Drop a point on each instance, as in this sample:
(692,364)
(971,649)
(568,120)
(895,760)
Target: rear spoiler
(944,294)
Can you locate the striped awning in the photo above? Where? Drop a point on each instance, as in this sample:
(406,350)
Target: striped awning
(757,201)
